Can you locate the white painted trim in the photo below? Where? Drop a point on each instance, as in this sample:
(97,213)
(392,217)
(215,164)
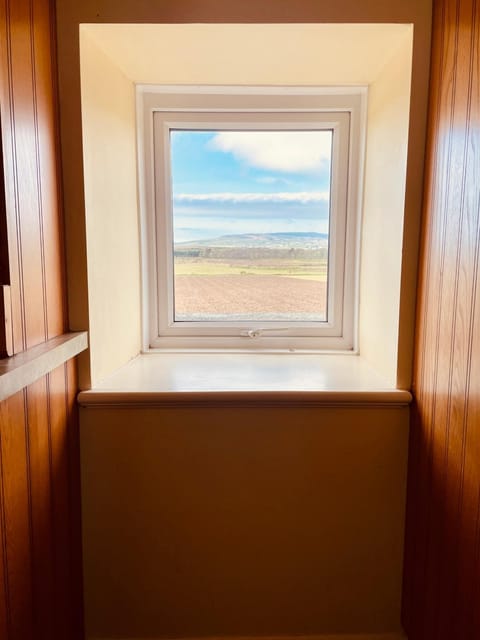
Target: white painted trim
(25,368)
(221,379)
(163,333)
(244,399)
(142,207)
(265,90)
(246,110)
(170,332)
(359,196)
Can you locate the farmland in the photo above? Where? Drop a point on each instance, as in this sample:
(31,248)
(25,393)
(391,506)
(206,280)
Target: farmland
(257,282)
(309,270)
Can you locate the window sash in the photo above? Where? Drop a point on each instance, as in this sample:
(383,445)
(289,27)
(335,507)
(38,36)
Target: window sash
(164,332)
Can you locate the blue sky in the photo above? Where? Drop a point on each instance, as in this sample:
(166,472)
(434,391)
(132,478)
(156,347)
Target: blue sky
(228,182)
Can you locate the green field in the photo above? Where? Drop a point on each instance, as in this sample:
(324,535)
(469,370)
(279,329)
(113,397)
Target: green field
(307,270)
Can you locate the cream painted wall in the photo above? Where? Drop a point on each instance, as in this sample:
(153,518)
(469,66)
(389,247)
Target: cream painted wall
(111,211)
(383,219)
(218,521)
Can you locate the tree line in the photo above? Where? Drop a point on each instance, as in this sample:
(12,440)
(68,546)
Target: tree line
(251,253)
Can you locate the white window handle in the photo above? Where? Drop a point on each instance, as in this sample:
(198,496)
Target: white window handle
(256,333)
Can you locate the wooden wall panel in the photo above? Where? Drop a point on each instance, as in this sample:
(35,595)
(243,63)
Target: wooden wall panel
(4,263)
(49,168)
(76,620)
(59,458)
(40,442)
(40,558)
(31,163)
(3,568)
(442,569)
(15,475)
(40,534)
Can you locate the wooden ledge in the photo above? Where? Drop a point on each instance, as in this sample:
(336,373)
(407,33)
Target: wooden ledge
(25,368)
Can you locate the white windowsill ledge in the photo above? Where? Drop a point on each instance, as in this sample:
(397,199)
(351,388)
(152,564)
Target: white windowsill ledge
(233,378)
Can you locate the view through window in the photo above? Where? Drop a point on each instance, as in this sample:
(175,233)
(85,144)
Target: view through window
(251,213)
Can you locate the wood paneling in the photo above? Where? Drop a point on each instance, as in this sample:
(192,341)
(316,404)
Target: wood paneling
(4,264)
(30,158)
(442,569)
(40,560)
(40,593)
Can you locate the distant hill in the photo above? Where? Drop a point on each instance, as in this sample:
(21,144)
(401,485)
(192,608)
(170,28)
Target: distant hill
(295,240)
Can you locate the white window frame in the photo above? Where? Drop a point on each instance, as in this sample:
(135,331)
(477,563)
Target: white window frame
(161,109)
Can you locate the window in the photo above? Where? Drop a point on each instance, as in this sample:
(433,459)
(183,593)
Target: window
(251,210)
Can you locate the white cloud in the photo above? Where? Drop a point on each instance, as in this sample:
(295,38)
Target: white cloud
(302,197)
(289,151)
(270,180)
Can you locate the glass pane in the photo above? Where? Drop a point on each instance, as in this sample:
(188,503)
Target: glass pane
(250,225)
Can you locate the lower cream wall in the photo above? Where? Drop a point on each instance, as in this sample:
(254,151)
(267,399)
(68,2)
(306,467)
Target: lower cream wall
(243,521)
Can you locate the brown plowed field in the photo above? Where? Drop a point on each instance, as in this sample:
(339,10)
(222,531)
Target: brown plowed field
(248,294)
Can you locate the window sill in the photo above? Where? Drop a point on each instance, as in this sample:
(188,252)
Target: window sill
(191,379)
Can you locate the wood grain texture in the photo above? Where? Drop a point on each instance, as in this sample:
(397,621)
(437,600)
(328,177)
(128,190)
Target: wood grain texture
(40,559)
(4,263)
(31,167)
(442,570)
(75,524)
(17,516)
(39,435)
(40,590)
(6,333)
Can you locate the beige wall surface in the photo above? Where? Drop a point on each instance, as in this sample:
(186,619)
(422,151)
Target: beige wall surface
(242,521)
(111,217)
(383,216)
